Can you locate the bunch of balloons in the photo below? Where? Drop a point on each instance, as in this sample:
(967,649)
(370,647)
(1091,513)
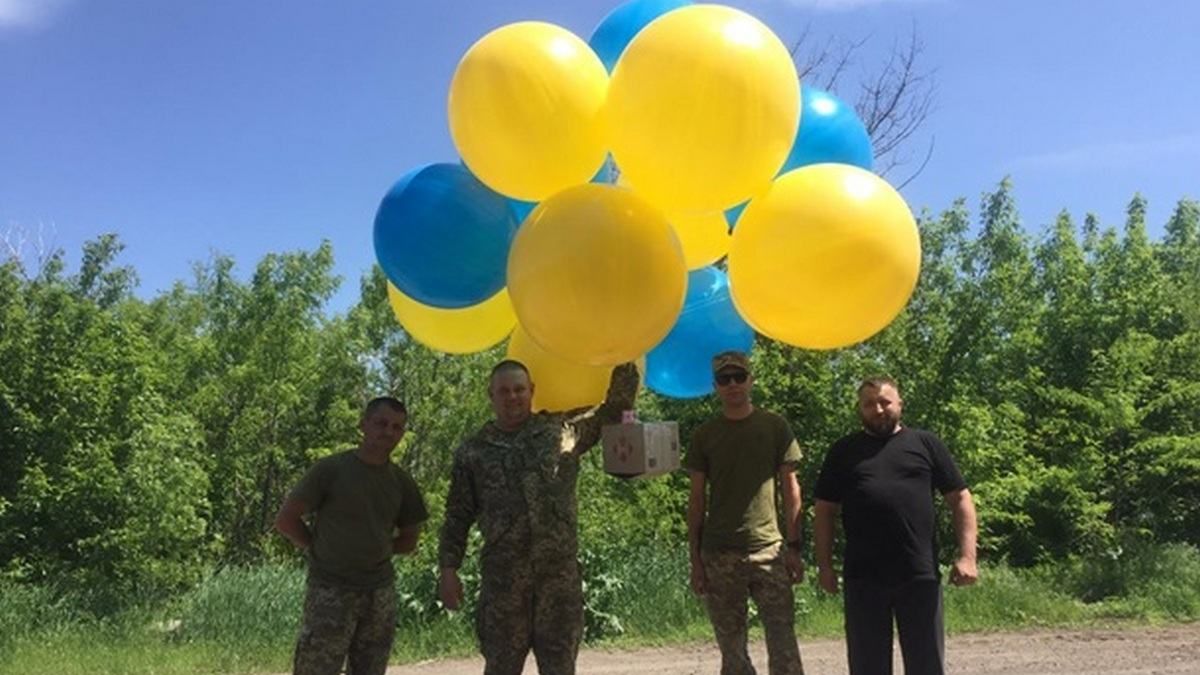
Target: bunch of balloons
(601,184)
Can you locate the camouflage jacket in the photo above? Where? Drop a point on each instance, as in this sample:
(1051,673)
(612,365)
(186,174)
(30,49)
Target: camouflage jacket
(520,485)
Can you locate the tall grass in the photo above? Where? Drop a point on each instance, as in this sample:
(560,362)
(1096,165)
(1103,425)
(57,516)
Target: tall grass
(245,619)
(260,606)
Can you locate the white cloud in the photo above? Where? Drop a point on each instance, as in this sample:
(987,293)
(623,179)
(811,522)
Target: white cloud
(28,14)
(1113,155)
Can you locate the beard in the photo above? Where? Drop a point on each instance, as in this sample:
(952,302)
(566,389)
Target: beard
(882,426)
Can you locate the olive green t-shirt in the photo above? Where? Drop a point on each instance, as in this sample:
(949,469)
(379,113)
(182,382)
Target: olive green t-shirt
(357,508)
(740,460)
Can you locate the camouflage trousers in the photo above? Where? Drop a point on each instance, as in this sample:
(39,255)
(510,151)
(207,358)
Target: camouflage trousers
(734,577)
(345,626)
(522,609)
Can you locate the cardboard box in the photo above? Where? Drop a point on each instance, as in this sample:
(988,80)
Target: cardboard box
(640,449)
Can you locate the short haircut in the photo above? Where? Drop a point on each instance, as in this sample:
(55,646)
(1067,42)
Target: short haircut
(381,401)
(877,381)
(508,366)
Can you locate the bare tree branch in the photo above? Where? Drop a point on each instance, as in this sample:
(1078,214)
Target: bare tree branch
(823,65)
(14,240)
(894,102)
(30,249)
(928,154)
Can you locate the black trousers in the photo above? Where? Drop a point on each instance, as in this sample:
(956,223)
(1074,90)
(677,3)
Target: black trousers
(915,606)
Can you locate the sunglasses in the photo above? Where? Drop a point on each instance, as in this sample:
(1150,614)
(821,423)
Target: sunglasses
(739,377)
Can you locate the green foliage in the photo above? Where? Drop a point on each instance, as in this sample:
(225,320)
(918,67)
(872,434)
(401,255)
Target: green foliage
(146,443)
(244,619)
(1145,581)
(31,611)
(1012,598)
(260,605)
(102,489)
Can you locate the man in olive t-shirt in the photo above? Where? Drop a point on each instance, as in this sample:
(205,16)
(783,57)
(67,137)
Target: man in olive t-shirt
(364,510)
(737,551)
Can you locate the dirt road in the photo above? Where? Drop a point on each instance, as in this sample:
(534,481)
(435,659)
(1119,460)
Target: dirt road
(1133,651)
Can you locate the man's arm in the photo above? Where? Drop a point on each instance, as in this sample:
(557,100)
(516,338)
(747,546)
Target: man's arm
(405,541)
(825,515)
(792,508)
(461,511)
(290,523)
(622,392)
(962,507)
(695,523)
(412,516)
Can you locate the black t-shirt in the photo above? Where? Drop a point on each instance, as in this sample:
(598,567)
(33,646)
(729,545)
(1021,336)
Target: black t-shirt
(885,488)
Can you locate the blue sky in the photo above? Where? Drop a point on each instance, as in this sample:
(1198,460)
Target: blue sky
(252,127)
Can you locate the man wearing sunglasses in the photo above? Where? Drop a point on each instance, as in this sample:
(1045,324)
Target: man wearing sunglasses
(737,551)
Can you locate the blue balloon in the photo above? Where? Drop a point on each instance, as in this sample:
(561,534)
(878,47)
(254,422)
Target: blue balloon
(681,365)
(521,209)
(829,131)
(607,174)
(617,29)
(442,237)
(734,212)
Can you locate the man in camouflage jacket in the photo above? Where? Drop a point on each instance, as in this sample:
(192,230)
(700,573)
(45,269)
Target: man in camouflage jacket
(516,476)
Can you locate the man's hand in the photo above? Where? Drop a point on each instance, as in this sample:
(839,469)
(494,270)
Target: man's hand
(824,516)
(626,371)
(962,509)
(827,576)
(405,541)
(450,589)
(794,564)
(698,578)
(290,523)
(965,572)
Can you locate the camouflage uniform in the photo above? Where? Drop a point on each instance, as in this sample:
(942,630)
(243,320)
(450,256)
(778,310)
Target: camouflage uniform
(732,577)
(350,603)
(740,549)
(520,486)
(339,622)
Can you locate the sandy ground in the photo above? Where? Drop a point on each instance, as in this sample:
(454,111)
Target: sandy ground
(1140,651)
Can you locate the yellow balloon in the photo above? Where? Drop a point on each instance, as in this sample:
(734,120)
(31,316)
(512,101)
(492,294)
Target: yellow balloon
(702,108)
(826,258)
(596,275)
(456,331)
(704,237)
(526,107)
(559,384)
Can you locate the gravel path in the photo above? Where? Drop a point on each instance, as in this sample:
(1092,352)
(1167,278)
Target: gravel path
(1133,651)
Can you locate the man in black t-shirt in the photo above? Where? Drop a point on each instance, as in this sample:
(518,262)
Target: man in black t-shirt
(881,479)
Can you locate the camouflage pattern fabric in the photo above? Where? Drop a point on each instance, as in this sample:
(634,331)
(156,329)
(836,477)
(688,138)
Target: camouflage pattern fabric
(734,577)
(345,626)
(520,487)
(524,604)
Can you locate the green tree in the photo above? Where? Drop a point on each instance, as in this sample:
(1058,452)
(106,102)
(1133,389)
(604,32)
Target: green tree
(95,457)
(269,379)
